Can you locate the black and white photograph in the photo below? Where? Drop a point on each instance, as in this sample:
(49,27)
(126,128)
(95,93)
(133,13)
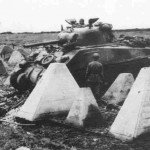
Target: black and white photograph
(74,75)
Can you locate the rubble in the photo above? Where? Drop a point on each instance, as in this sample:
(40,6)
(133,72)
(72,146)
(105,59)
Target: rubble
(10,99)
(133,41)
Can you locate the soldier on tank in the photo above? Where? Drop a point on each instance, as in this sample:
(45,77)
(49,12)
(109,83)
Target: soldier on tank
(81,22)
(94,76)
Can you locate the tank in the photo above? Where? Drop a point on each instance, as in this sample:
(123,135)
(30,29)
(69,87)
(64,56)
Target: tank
(87,34)
(75,46)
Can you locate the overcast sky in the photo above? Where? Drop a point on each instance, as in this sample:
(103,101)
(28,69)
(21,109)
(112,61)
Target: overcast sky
(48,15)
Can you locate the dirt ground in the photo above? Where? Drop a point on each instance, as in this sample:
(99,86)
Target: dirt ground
(48,135)
(52,135)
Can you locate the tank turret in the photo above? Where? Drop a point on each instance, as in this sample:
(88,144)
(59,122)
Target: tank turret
(86,34)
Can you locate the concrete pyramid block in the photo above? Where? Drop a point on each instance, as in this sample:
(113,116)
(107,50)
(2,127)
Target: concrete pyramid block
(54,93)
(6,52)
(16,57)
(23,148)
(134,117)
(84,111)
(120,88)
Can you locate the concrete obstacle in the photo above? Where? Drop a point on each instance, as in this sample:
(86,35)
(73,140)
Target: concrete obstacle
(84,111)
(119,90)
(25,53)
(6,52)
(54,93)
(23,148)
(15,58)
(134,117)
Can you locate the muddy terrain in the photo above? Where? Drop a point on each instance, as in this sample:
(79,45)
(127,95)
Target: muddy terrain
(53,133)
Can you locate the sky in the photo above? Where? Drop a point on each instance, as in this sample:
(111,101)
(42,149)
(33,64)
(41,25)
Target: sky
(48,15)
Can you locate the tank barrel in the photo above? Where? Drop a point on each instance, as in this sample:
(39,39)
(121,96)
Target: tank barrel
(40,44)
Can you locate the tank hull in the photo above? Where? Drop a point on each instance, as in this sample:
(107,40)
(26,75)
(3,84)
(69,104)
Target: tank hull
(115,60)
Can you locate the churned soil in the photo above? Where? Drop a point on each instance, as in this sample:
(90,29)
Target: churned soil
(55,134)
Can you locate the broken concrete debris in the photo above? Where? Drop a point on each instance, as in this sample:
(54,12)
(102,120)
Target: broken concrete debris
(54,93)
(84,110)
(133,118)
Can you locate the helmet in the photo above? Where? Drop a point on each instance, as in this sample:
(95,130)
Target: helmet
(96,56)
(81,21)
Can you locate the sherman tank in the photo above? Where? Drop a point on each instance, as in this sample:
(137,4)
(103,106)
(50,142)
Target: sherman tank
(75,46)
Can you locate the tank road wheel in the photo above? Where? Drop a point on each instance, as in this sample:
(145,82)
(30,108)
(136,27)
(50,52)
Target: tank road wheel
(47,60)
(13,79)
(19,81)
(23,82)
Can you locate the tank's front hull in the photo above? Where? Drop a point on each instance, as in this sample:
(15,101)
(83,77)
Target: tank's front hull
(115,60)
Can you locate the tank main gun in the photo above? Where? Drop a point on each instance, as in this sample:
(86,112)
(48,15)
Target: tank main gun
(41,44)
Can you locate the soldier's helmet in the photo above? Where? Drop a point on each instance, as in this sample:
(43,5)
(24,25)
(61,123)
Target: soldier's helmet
(81,21)
(96,56)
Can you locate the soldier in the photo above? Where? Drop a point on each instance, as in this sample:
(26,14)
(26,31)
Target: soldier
(81,22)
(94,76)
